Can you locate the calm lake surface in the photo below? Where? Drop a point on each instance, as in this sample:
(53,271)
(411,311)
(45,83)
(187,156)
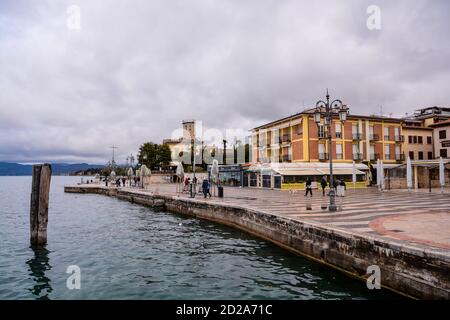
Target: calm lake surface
(126,251)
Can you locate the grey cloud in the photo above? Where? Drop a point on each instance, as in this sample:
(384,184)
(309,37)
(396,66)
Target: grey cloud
(137,68)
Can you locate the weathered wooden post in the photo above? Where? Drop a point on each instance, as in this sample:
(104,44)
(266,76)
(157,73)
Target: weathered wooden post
(40,188)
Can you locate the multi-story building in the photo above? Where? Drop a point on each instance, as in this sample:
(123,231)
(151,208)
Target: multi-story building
(441,138)
(418,140)
(419,133)
(298,140)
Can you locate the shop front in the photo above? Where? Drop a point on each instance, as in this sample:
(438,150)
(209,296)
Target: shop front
(293,176)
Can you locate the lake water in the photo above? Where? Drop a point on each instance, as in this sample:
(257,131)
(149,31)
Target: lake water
(126,251)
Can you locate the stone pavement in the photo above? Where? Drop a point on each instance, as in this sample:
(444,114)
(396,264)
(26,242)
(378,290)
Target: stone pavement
(421,218)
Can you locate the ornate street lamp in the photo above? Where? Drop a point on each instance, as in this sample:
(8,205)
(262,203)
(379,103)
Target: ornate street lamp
(327,110)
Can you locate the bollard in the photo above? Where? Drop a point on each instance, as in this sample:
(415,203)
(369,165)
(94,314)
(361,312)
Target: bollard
(40,188)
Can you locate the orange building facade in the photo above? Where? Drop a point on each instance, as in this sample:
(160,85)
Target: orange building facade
(299,139)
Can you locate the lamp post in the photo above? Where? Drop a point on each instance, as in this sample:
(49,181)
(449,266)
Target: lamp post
(327,110)
(193,186)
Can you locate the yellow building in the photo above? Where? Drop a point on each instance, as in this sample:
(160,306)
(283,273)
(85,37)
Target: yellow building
(297,140)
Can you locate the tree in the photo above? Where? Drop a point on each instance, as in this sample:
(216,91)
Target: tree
(154,156)
(148,155)
(165,155)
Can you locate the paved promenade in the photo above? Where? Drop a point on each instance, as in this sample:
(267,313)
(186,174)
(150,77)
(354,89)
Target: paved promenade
(420,218)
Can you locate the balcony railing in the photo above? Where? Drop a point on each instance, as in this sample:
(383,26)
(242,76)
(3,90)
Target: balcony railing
(321,135)
(387,156)
(374,137)
(357,136)
(400,157)
(374,156)
(287,158)
(357,156)
(323,156)
(399,138)
(339,156)
(386,138)
(286,138)
(338,135)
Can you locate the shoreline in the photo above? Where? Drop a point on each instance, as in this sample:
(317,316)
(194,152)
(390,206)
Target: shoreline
(408,270)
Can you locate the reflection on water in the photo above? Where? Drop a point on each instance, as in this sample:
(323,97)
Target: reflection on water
(37,267)
(127,251)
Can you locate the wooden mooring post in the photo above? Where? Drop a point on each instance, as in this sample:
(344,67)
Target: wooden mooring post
(40,188)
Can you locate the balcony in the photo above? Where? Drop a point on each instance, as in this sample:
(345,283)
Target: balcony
(357,156)
(374,156)
(400,157)
(387,156)
(339,156)
(399,139)
(386,138)
(323,156)
(287,158)
(321,135)
(338,135)
(374,137)
(357,136)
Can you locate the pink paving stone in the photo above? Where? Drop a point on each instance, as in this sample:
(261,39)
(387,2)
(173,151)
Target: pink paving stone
(429,228)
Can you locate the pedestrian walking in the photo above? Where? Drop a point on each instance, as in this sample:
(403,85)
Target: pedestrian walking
(206,187)
(323,184)
(308,187)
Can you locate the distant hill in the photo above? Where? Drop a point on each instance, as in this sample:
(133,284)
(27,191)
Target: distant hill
(17,169)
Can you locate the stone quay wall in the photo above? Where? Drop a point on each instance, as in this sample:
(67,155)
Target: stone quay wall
(416,272)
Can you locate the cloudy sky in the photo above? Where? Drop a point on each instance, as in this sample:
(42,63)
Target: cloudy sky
(134,69)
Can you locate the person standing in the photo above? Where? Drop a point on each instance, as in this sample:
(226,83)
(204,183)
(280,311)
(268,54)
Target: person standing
(323,184)
(335,186)
(343,187)
(308,187)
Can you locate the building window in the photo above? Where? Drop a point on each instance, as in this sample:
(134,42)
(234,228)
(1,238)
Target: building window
(339,151)
(373,156)
(386,133)
(338,130)
(429,140)
(321,131)
(420,139)
(443,153)
(430,155)
(411,155)
(356,154)
(322,154)
(442,134)
(420,155)
(387,153)
(415,139)
(410,139)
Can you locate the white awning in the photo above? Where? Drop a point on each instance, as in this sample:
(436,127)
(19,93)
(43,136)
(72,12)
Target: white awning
(307,168)
(338,171)
(310,172)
